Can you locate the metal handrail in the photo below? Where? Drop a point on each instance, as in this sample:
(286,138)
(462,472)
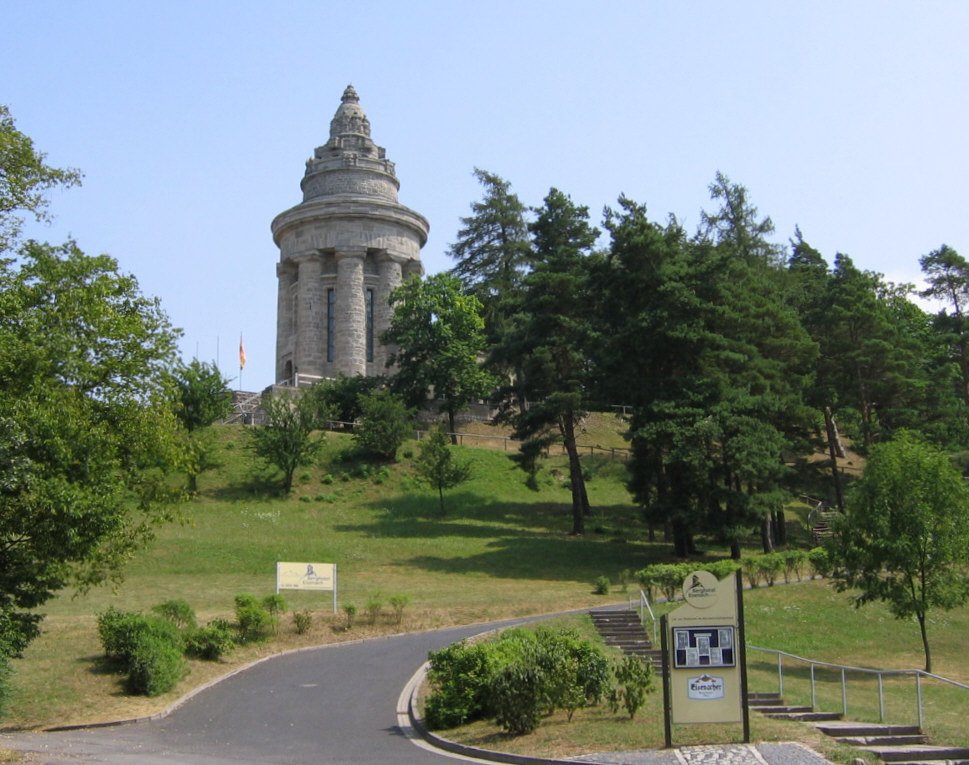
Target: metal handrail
(845,668)
(644,601)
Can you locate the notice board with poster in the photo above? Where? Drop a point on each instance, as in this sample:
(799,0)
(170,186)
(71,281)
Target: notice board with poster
(706,683)
(700,647)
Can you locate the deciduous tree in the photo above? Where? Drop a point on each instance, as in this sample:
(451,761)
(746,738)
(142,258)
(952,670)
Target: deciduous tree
(438,334)
(24,180)
(87,430)
(202,397)
(437,465)
(904,538)
(288,440)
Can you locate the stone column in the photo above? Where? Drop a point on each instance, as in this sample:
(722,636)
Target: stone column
(351,317)
(285,320)
(389,278)
(311,307)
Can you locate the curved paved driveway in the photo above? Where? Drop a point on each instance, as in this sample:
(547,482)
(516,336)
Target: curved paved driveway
(334,705)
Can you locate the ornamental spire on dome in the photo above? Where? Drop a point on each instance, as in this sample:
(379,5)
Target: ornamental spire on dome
(350,94)
(349,118)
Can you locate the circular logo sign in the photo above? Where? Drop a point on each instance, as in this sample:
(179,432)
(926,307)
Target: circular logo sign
(700,589)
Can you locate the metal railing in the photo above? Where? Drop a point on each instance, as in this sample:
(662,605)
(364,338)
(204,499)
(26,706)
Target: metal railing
(645,608)
(844,669)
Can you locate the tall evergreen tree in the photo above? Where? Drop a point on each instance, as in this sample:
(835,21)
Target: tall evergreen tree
(552,333)
(492,251)
(714,364)
(947,274)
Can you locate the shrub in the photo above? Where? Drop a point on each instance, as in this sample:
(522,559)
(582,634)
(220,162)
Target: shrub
(635,679)
(601,585)
(302,621)
(255,622)
(561,671)
(121,631)
(666,578)
(178,612)
(719,568)
(275,604)
(116,630)
(574,671)
(384,424)
(770,566)
(460,675)
(375,605)
(820,561)
(794,561)
(517,693)
(398,603)
(155,665)
(211,642)
(752,571)
(350,612)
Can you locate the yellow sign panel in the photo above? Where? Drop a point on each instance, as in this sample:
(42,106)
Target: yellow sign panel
(305,576)
(703,634)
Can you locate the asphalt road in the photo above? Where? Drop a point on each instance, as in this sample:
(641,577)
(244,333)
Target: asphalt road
(334,705)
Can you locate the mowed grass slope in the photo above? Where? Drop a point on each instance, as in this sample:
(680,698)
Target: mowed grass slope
(499,550)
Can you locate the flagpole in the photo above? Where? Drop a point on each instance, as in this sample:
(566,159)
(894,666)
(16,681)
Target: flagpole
(242,360)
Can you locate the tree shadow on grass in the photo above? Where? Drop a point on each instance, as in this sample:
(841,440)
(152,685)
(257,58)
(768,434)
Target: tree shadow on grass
(521,540)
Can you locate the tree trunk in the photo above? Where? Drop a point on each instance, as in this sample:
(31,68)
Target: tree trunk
(452,427)
(735,550)
(681,540)
(575,476)
(832,451)
(925,641)
(780,528)
(767,533)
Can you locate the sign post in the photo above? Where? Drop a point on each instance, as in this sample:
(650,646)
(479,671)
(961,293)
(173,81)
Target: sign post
(704,654)
(306,576)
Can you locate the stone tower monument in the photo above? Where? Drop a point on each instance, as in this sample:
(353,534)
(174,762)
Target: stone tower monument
(342,251)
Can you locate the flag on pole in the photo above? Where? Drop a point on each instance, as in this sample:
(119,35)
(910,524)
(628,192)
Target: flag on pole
(242,353)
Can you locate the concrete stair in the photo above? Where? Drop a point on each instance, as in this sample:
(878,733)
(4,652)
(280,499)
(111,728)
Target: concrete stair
(623,630)
(894,743)
(772,705)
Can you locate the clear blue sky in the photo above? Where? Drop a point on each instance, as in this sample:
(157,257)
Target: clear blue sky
(192,122)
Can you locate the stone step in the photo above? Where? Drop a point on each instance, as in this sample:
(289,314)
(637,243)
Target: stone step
(866,741)
(770,698)
(775,709)
(919,753)
(806,716)
(853,728)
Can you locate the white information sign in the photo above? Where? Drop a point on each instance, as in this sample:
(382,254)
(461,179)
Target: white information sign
(306,576)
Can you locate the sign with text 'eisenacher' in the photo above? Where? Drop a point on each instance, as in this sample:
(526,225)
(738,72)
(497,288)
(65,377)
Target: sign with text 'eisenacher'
(703,641)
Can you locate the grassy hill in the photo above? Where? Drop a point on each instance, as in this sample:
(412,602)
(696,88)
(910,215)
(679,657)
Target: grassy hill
(501,549)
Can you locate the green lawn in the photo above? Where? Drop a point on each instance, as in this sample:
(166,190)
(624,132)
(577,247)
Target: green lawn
(500,550)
